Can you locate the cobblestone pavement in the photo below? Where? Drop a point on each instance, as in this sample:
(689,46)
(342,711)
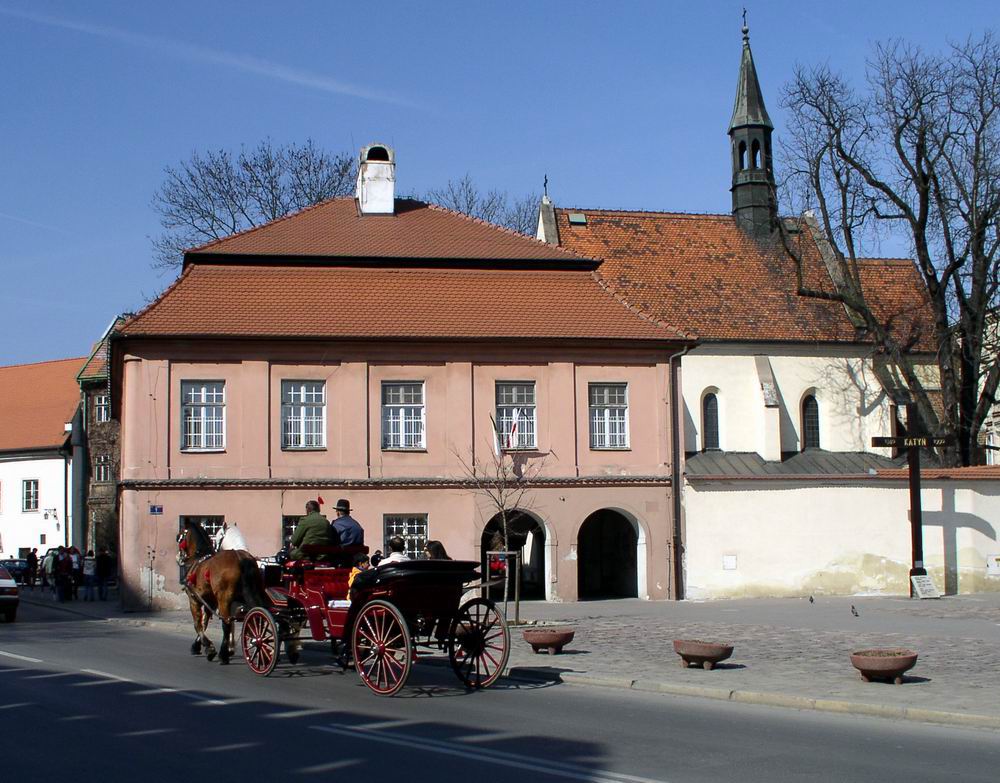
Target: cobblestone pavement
(790,646)
(782,646)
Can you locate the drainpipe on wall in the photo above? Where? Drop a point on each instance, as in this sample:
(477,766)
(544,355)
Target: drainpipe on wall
(677,422)
(78,440)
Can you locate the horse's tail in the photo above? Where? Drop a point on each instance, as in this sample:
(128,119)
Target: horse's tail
(252,584)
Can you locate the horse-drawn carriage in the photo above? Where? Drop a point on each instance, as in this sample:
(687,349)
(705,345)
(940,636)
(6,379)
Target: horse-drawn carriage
(388,613)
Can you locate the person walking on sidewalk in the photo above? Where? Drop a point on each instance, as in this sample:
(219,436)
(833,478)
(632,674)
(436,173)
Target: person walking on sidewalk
(48,570)
(103,567)
(63,572)
(89,575)
(32,559)
(77,578)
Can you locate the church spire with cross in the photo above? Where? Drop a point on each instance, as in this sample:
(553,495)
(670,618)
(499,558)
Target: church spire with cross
(750,132)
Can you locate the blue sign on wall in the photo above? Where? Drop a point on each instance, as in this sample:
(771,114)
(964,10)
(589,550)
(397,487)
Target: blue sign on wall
(155,509)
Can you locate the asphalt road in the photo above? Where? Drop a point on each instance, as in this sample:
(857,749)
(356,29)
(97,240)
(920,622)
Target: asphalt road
(108,702)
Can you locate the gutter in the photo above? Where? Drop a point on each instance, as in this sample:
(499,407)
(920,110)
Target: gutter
(677,421)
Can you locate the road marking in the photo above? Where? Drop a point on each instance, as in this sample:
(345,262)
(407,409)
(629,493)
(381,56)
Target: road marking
(15,705)
(27,658)
(7,669)
(106,675)
(299,713)
(78,717)
(52,675)
(233,746)
(146,732)
(328,766)
(384,724)
(488,755)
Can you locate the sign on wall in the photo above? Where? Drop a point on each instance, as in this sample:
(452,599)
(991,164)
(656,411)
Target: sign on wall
(155,509)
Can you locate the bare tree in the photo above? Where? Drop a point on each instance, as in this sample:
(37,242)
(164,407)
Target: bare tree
(916,154)
(493,206)
(214,194)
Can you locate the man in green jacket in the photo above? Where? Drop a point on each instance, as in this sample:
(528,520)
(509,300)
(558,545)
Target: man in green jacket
(313,528)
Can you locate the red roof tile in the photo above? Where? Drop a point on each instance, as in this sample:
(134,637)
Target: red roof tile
(36,402)
(704,274)
(353,302)
(335,229)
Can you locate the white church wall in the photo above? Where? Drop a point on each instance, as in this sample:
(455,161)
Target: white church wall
(45,527)
(793,538)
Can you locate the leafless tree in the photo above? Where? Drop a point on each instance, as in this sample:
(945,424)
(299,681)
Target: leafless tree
(214,194)
(493,206)
(915,154)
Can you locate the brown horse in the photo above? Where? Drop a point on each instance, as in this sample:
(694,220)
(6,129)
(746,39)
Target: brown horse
(216,583)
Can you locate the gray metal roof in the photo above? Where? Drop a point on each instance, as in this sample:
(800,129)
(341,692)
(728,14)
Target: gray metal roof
(748,109)
(811,462)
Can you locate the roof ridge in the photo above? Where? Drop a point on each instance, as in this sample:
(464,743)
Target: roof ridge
(664,213)
(638,311)
(880,260)
(44,361)
(251,229)
(506,230)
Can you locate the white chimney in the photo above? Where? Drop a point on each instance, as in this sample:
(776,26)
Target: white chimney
(376,191)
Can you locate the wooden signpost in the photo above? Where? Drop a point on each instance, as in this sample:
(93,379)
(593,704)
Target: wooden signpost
(913,443)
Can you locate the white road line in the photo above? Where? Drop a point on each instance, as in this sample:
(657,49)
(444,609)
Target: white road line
(15,705)
(328,766)
(146,732)
(78,717)
(16,669)
(383,724)
(106,675)
(300,713)
(489,756)
(233,746)
(51,676)
(27,658)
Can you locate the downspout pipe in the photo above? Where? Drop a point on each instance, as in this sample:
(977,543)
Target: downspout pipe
(676,483)
(78,443)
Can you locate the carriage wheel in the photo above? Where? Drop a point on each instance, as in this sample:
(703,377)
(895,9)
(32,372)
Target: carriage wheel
(260,641)
(382,648)
(478,643)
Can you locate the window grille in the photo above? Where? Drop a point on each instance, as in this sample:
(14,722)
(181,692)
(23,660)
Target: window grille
(403,415)
(710,422)
(211,525)
(516,403)
(412,528)
(287,528)
(303,414)
(810,423)
(102,408)
(608,416)
(102,469)
(29,495)
(203,416)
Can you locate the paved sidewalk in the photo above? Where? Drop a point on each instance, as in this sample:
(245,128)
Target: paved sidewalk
(789,652)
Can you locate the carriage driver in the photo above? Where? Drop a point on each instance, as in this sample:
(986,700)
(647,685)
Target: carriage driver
(313,528)
(346,529)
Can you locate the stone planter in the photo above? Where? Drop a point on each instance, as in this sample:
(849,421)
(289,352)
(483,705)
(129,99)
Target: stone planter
(699,653)
(550,640)
(886,664)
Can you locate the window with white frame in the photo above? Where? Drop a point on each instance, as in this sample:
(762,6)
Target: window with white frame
(102,408)
(516,422)
(102,469)
(403,415)
(303,414)
(412,528)
(203,415)
(609,416)
(29,495)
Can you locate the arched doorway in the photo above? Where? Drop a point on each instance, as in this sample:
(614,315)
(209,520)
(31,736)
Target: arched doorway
(526,535)
(607,562)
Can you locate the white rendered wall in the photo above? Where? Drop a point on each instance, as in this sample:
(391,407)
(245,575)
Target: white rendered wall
(852,405)
(24,528)
(791,539)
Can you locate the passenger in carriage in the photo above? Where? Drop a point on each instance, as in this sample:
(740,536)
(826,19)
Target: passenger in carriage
(313,528)
(346,529)
(361,563)
(434,550)
(397,552)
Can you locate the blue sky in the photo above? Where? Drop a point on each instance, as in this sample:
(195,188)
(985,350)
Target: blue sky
(623,105)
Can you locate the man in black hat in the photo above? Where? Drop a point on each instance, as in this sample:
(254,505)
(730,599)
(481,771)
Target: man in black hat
(346,528)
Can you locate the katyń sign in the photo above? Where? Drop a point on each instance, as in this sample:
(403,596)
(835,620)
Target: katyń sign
(912,442)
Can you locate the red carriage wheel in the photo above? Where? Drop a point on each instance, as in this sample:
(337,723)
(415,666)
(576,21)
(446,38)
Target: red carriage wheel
(479,643)
(382,650)
(260,641)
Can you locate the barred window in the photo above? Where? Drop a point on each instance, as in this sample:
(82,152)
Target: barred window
(102,469)
(710,422)
(102,408)
(29,495)
(303,414)
(211,525)
(288,524)
(203,415)
(810,423)
(403,415)
(609,416)
(412,528)
(516,422)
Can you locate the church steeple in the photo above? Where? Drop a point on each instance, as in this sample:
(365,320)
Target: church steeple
(750,137)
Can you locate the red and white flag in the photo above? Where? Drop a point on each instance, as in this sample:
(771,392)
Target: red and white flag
(512,434)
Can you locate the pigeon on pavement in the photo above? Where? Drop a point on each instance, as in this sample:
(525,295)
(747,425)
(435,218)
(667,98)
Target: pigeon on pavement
(854,611)
(811,599)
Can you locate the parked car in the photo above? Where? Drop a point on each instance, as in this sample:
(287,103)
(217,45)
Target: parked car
(9,598)
(17,568)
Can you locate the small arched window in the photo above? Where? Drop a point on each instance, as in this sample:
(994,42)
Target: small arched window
(378,154)
(743,155)
(810,422)
(710,422)
(755,155)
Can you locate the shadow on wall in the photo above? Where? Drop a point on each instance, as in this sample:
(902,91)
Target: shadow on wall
(950,520)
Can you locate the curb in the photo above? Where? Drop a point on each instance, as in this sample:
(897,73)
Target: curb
(135,622)
(763,698)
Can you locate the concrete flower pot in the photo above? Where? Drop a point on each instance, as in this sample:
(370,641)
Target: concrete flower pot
(550,640)
(699,653)
(883,664)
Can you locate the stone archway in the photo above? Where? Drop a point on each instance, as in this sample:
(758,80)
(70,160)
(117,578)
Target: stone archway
(608,564)
(527,534)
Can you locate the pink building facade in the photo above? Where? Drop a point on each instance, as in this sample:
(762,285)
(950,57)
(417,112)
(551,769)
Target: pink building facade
(267,376)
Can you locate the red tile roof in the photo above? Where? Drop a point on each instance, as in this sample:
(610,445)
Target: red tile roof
(364,302)
(36,402)
(703,273)
(95,367)
(335,229)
